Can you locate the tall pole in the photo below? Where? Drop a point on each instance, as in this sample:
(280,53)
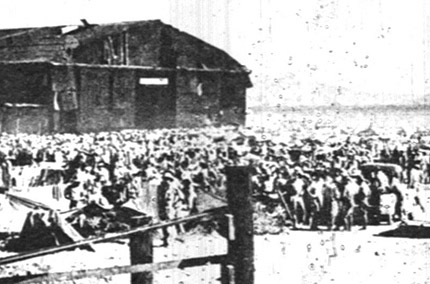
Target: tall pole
(141,252)
(240,266)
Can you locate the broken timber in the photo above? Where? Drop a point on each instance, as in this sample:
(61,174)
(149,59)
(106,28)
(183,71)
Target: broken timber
(237,266)
(109,237)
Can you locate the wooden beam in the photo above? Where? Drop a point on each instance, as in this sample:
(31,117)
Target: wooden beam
(111,236)
(28,202)
(110,271)
(150,68)
(285,204)
(129,67)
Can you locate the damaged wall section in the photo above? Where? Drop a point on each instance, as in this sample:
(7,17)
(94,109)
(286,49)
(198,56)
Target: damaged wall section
(210,98)
(106,99)
(89,98)
(233,98)
(33,44)
(93,99)
(25,83)
(25,91)
(198,98)
(24,118)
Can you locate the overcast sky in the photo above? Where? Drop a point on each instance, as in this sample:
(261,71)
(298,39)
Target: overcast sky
(300,52)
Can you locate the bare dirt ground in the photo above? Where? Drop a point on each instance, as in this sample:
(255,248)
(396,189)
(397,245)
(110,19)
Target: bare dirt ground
(290,257)
(117,254)
(341,257)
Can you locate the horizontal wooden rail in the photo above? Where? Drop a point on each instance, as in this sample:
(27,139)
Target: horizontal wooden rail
(103,272)
(112,236)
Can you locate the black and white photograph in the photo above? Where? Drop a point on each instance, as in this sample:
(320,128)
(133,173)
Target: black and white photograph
(215,141)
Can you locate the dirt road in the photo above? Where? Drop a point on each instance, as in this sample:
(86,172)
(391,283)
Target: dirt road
(291,257)
(341,257)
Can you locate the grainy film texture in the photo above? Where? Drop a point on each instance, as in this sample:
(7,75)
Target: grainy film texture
(198,141)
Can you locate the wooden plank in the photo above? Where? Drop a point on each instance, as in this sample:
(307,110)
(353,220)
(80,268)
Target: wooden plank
(165,69)
(60,277)
(35,204)
(285,204)
(240,249)
(111,236)
(29,202)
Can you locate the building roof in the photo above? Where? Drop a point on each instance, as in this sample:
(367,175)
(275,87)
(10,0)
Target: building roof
(204,55)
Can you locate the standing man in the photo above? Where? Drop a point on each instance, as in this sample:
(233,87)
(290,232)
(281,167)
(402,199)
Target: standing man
(5,167)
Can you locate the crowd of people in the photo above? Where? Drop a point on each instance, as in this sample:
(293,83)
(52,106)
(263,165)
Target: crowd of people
(317,181)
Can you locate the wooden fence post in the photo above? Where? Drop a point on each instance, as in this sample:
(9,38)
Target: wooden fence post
(241,240)
(141,252)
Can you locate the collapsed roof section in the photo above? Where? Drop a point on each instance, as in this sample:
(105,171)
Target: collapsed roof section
(61,44)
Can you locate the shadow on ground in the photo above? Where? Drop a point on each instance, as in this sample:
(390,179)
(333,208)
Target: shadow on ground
(408,231)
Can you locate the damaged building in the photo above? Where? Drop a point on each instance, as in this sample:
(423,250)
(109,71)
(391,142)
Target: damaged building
(144,74)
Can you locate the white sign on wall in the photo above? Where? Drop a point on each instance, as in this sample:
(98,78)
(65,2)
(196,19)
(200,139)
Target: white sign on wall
(153,81)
